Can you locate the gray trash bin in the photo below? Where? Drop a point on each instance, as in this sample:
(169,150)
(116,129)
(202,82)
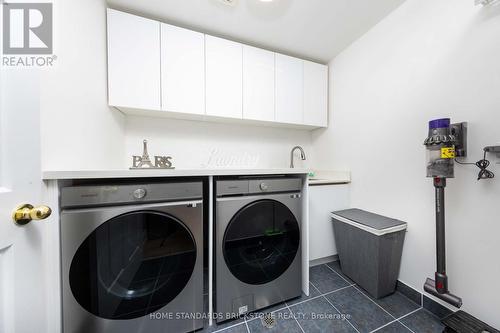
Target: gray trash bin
(369,248)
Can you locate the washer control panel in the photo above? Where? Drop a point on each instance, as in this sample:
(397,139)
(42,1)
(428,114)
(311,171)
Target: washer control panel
(140,193)
(119,194)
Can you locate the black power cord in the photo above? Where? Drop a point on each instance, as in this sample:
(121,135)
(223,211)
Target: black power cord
(483,165)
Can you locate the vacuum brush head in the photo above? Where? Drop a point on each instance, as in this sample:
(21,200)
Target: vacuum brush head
(430,287)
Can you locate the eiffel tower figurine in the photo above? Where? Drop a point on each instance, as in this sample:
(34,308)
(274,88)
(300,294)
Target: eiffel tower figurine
(143,161)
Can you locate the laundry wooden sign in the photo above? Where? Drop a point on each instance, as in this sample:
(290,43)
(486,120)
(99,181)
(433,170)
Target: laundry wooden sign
(144,161)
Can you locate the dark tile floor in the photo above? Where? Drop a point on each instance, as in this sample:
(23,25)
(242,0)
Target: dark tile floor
(336,304)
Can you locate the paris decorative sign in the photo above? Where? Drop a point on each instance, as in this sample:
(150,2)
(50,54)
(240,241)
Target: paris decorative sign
(144,162)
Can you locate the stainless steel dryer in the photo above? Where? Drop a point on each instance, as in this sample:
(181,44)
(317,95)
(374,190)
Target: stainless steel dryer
(258,254)
(132,258)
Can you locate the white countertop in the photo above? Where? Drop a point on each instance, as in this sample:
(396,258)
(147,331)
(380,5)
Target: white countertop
(319,178)
(323,177)
(144,173)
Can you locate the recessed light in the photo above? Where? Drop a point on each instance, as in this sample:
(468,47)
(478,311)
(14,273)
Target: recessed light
(487,2)
(228,2)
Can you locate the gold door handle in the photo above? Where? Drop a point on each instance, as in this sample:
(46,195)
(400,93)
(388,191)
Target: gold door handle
(26,212)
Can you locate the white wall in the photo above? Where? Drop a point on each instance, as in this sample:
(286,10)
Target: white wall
(195,144)
(79,130)
(428,59)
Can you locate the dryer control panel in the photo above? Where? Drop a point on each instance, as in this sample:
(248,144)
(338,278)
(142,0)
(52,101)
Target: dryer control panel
(258,185)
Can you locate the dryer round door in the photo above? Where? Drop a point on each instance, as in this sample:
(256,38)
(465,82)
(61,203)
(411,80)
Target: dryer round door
(132,265)
(261,241)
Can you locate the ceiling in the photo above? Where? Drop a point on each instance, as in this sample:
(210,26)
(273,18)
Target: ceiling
(312,29)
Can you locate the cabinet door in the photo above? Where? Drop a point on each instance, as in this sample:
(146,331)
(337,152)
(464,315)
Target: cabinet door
(258,84)
(223,77)
(315,94)
(182,70)
(133,61)
(324,199)
(289,89)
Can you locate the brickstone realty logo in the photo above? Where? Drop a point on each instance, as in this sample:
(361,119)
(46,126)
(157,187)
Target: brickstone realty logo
(27,34)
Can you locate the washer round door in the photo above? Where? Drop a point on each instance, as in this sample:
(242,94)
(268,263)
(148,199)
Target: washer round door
(132,265)
(261,241)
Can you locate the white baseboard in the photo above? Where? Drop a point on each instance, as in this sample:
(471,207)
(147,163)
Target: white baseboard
(324,260)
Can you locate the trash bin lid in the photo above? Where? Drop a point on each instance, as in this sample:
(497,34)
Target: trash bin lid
(376,224)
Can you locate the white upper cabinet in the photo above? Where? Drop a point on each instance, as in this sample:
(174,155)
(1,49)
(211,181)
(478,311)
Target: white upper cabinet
(224,78)
(133,61)
(289,89)
(182,70)
(258,84)
(315,94)
(161,70)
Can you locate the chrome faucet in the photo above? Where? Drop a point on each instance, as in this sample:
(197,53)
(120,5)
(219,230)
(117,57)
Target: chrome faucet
(302,154)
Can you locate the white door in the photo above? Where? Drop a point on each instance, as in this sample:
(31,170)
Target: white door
(289,89)
(224,77)
(315,94)
(258,84)
(182,70)
(24,270)
(133,61)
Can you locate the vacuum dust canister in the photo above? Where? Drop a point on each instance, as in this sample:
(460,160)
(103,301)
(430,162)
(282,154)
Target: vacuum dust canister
(440,145)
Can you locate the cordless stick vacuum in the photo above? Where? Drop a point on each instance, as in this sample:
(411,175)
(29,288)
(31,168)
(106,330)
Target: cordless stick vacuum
(440,144)
(440,165)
